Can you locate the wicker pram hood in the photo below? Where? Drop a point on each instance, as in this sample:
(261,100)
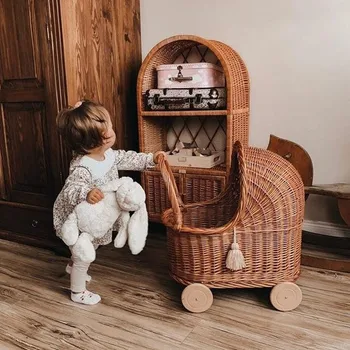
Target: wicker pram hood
(263,192)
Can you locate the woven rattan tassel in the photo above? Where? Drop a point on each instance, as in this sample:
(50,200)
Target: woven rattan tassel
(235,259)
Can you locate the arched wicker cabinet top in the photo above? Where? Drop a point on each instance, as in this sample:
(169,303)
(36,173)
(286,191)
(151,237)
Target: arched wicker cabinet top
(236,74)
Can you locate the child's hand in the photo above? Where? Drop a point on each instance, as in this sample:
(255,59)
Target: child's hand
(156,155)
(94,196)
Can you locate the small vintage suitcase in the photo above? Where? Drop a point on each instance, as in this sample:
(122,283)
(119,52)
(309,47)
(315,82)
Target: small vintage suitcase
(180,99)
(190,75)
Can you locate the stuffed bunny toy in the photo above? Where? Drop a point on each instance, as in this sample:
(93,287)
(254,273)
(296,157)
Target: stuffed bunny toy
(90,221)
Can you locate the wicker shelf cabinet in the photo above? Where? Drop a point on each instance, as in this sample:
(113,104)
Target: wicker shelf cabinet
(214,129)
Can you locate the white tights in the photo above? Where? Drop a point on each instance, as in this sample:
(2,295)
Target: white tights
(78,278)
(78,275)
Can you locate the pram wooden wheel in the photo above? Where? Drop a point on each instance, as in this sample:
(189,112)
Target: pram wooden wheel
(197,297)
(286,296)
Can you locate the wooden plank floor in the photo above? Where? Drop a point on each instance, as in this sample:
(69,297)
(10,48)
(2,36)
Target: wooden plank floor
(141,307)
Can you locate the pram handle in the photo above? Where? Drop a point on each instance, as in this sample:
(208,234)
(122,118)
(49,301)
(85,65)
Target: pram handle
(172,190)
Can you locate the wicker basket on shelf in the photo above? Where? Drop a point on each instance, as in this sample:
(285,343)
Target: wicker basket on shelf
(261,208)
(232,123)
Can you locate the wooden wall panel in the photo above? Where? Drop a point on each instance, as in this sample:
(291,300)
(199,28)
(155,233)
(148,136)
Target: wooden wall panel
(3,194)
(25,153)
(102,57)
(19,58)
(26,148)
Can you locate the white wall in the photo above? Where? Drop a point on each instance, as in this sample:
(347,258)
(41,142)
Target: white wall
(298,57)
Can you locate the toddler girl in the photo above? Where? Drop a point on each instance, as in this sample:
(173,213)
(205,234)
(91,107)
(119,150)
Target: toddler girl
(88,131)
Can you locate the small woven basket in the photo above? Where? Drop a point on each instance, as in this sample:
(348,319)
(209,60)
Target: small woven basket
(262,208)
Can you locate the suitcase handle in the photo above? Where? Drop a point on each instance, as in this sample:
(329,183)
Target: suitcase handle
(197,99)
(180,78)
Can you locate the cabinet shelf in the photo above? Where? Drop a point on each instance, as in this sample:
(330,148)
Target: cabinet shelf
(196,113)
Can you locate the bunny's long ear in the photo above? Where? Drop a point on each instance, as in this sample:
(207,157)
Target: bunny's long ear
(122,236)
(69,230)
(138,230)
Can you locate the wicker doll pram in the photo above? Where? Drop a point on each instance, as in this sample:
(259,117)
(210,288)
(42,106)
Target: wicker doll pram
(261,208)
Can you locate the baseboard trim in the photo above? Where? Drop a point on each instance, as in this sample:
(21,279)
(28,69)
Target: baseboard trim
(326,228)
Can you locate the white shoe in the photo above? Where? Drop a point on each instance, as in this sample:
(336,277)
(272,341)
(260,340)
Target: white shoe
(69,271)
(86,298)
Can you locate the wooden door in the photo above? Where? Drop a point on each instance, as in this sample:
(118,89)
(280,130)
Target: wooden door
(50,55)
(29,145)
